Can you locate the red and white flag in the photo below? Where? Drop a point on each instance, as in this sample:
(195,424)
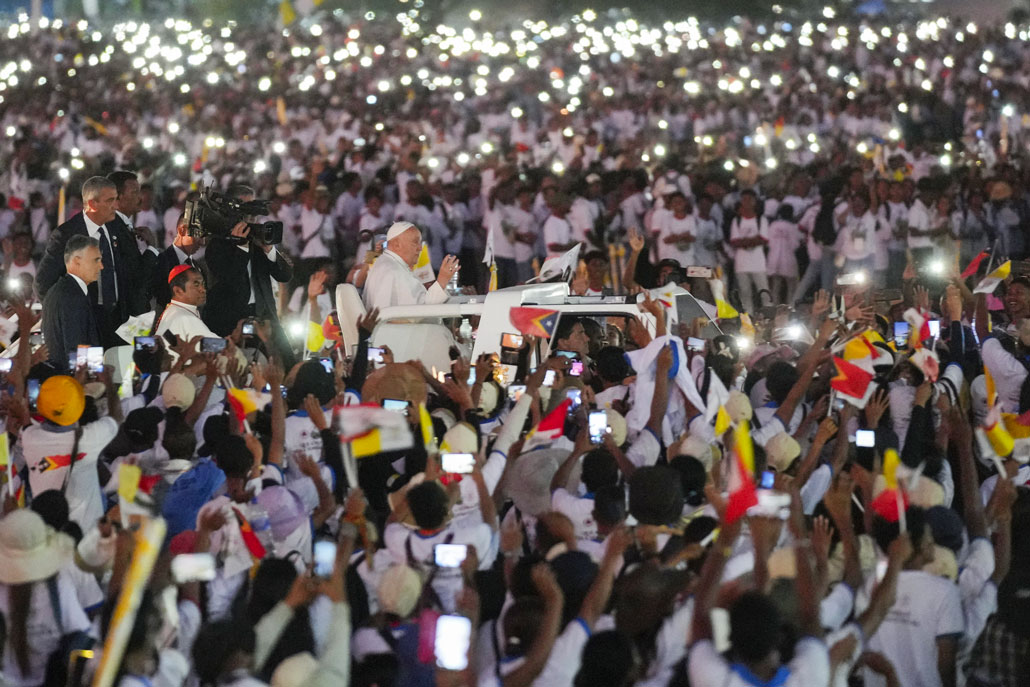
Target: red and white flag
(550,428)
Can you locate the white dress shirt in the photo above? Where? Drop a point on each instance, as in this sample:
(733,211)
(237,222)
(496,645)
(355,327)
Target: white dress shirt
(183,320)
(390,282)
(95,230)
(81,282)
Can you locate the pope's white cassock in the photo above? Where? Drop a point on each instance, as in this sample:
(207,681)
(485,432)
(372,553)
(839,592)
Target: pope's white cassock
(391,282)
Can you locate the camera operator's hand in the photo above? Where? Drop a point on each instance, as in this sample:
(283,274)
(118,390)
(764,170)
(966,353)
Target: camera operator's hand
(146,235)
(240,231)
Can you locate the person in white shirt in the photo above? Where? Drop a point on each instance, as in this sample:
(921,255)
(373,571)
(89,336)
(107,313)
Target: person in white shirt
(390,281)
(784,240)
(676,231)
(182,316)
(524,232)
(556,229)
(921,232)
(44,449)
(373,221)
(749,234)
(856,237)
(316,226)
(920,634)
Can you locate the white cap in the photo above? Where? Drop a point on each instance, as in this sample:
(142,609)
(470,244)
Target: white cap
(397,229)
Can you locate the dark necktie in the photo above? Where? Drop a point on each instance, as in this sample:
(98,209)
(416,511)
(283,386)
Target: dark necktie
(188,261)
(108,290)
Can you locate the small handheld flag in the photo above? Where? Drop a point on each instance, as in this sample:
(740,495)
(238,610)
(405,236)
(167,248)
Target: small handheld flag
(538,322)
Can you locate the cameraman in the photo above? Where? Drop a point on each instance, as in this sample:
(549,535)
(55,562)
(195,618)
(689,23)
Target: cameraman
(241,270)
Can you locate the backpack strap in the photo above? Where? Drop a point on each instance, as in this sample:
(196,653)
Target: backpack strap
(71,462)
(55,600)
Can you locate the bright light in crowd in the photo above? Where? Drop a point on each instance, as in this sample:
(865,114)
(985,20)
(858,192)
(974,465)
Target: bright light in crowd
(946,160)
(936,267)
(173,127)
(297,329)
(212,78)
(12,130)
(659,150)
(179,160)
(260,167)
(487,147)
(278,147)
(862,147)
(148,143)
(516,112)
(770,162)
(475,15)
(728,165)
(63,173)
(743,343)
(894,134)
(1008,110)
(264,83)
(557,167)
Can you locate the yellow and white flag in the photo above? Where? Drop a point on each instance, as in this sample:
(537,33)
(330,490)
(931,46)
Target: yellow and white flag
(989,283)
(423,269)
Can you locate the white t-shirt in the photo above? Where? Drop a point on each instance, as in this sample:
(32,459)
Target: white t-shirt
(316,230)
(447,582)
(580,511)
(749,259)
(46,452)
(669,225)
(809,667)
(927,607)
(1020,479)
(556,230)
(1008,373)
(43,632)
(919,218)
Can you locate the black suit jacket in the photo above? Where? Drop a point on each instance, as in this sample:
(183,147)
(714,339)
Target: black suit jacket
(132,270)
(229,290)
(68,321)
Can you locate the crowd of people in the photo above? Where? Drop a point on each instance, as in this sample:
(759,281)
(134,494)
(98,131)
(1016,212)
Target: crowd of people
(207,483)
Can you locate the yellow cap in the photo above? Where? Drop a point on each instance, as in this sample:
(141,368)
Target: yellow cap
(61,400)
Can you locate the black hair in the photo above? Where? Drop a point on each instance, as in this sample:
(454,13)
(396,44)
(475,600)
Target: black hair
(599,470)
(655,495)
(885,531)
(233,457)
(180,441)
(565,327)
(179,280)
(271,584)
(610,505)
(216,643)
(522,625)
(785,212)
(609,658)
(429,505)
(311,378)
(52,506)
(755,626)
(692,478)
(120,178)
(779,379)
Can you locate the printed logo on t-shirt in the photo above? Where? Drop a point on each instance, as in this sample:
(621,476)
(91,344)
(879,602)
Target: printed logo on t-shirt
(51,463)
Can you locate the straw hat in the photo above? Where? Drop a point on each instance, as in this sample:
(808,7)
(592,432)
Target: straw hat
(29,549)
